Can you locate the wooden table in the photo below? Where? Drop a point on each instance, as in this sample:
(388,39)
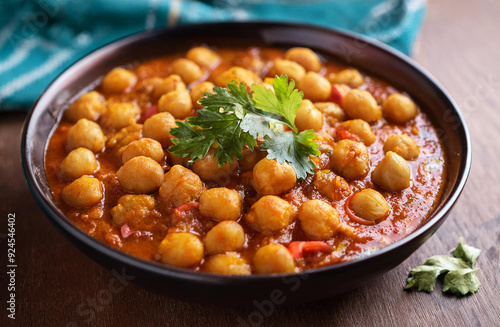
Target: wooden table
(460,46)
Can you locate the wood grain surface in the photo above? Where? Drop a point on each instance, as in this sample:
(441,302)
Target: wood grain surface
(460,45)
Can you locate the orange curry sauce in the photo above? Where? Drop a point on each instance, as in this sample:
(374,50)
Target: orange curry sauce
(409,208)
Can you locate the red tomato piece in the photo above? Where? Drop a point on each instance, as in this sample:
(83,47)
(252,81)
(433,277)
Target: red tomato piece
(298,248)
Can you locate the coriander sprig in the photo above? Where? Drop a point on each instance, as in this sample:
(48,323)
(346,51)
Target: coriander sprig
(232,119)
(459,272)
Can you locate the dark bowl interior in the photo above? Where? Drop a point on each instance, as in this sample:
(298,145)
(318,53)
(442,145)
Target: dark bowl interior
(370,56)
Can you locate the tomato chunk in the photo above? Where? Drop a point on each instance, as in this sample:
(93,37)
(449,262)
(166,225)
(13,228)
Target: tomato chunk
(337,94)
(183,209)
(126,231)
(346,135)
(150,111)
(298,248)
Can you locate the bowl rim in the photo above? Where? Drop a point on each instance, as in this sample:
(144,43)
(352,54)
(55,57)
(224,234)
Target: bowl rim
(69,229)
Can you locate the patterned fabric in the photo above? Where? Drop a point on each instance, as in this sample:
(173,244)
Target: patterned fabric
(41,38)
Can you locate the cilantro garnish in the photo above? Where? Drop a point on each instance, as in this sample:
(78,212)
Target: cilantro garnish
(232,119)
(459,272)
(284,101)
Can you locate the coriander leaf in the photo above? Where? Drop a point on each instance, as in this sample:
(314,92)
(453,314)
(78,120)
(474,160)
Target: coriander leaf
(284,101)
(228,98)
(258,125)
(214,121)
(211,127)
(224,129)
(305,139)
(219,99)
(231,142)
(189,142)
(232,120)
(219,123)
(423,278)
(461,281)
(460,275)
(446,263)
(240,94)
(467,253)
(294,149)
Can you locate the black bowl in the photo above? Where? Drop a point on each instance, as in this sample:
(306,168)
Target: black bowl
(366,54)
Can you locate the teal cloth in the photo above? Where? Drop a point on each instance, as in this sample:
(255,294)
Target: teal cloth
(41,38)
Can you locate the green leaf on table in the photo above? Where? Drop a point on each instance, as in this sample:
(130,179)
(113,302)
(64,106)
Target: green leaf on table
(466,252)
(424,277)
(461,281)
(459,273)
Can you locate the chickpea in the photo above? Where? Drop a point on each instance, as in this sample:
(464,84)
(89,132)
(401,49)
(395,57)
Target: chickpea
(350,159)
(250,158)
(252,63)
(224,237)
(208,169)
(181,250)
(175,160)
(148,84)
(350,77)
(227,264)
(332,111)
(83,192)
(403,145)
(304,57)
(315,87)
(198,91)
(204,57)
(392,173)
(399,108)
(369,204)
(132,208)
(360,128)
(120,114)
(79,162)
(270,177)
(177,103)
(273,259)
(158,127)
(140,175)
(144,147)
(238,74)
(270,214)
(180,186)
(119,140)
(221,204)
(308,117)
(188,70)
(85,134)
(332,186)
(118,80)
(318,219)
(88,106)
(293,70)
(171,83)
(361,104)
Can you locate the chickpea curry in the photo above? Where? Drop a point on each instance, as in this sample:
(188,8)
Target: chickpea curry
(245,161)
